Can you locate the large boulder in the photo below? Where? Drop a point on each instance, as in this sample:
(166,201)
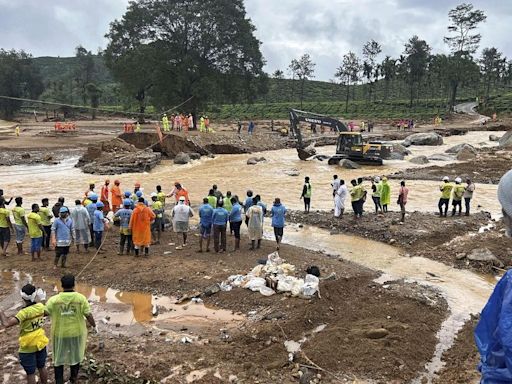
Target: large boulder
(494,138)
(255,160)
(440,157)
(457,148)
(194,155)
(506,139)
(429,138)
(182,158)
(394,156)
(348,164)
(399,148)
(467,152)
(484,254)
(420,160)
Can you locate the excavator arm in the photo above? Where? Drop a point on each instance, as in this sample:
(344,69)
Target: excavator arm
(297,116)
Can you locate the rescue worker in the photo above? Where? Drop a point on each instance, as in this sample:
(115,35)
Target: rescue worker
(458,194)
(181,215)
(58,205)
(202,125)
(446,190)
(63,233)
(46,220)
(5,228)
(218,194)
(278,213)
(181,192)
(255,223)
(104,197)
(161,198)
(124,215)
(235,220)
(156,227)
(355,196)
(140,227)
(91,209)
(98,226)
(212,199)
(385,194)
(220,220)
(306,194)
(69,310)
(363,192)
(20,223)
(205,224)
(32,340)
(35,231)
(165,123)
(117,197)
(177,122)
(81,221)
(468,194)
(137,127)
(376,192)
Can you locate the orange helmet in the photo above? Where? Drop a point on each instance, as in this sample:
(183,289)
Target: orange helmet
(137,185)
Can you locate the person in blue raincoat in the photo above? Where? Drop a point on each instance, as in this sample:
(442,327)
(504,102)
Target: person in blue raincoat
(493,333)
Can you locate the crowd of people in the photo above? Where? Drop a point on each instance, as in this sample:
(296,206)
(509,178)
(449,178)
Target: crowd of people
(183,122)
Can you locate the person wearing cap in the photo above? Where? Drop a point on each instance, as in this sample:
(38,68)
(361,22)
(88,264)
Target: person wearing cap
(446,191)
(278,213)
(385,194)
(32,340)
(205,224)
(92,208)
(20,223)
(140,227)
(128,195)
(156,227)
(458,194)
(181,215)
(69,311)
(376,193)
(220,220)
(46,220)
(165,123)
(35,231)
(235,220)
(124,215)
(81,222)
(306,194)
(468,195)
(117,197)
(104,197)
(98,225)
(63,233)
(5,228)
(57,206)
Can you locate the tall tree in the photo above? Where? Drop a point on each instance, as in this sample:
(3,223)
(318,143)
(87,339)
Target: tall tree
(371,50)
(348,73)
(304,69)
(492,66)
(463,42)
(417,53)
(84,73)
(18,78)
(388,70)
(177,50)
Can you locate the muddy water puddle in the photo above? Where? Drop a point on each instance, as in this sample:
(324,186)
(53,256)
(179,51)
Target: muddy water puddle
(119,309)
(465,292)
(230,172)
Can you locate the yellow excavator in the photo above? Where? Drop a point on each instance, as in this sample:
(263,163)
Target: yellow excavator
(349,145)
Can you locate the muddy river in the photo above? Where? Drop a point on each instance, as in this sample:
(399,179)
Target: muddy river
(230,172)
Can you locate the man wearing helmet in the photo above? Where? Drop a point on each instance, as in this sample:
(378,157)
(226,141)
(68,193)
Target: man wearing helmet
(63,233)
(458,193)
(124,215)
(446,190)
(98,225)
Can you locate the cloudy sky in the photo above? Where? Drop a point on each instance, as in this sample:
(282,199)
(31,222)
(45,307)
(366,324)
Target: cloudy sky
(326,29)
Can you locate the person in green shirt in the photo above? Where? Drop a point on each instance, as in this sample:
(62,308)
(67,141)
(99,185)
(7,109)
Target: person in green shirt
(35,231)
(158,210)
(356,194)
(161,198)
(68,311)
(212,199)
(46,220)
(444,200)
(385,194)
(20,223)
(5,228)
(458,194)
(306,194)
(32,339)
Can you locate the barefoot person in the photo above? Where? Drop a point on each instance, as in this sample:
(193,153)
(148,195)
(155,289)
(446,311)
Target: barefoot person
(33,340)
(68,311)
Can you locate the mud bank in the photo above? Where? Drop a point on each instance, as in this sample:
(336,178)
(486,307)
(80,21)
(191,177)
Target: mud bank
(449,240)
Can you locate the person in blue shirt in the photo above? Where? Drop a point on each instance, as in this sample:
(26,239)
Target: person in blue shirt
(235,220)
(98,225)
(278,213)
(220,220)
(205,224)
(124,215)
(91,208)
(62,234)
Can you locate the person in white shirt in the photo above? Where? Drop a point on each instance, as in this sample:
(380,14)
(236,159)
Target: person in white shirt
(339,199)
(181,214)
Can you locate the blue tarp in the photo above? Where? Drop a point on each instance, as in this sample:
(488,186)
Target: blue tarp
(493,335)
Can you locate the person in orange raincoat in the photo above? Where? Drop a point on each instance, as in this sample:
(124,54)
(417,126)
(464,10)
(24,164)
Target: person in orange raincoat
(180,191)
(117,197)
(140,225)
(104,197)
(185,123)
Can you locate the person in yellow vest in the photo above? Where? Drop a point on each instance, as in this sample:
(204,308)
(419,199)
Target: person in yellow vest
(161,198)
(458,194)
(46,219)
(20,223)
(202,124)
(17,131)
(446,191)
(137,127)
(306,194)
(156,226)
(35,231)
(69,311)
(32,339)
(165,123)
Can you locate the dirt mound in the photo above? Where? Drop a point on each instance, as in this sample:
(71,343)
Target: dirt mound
(117,156)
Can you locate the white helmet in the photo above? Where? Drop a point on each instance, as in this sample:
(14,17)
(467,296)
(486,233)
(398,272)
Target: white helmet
(377,179)
(446,178)
(458,180)
(153,194)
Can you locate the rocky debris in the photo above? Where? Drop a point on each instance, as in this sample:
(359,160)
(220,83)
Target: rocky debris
(306,153)
(467,152)
(399,148)
(182,158)
(484,254)
(420,160)
(292,172)
(8,158)
(429,138)
(440,157)
(394,156)
(348,164)
(494,138)
(255,160)
(25,156)
(506,140)
(457,148)
(211,290)
(117,156)
(194,155)
(377,333)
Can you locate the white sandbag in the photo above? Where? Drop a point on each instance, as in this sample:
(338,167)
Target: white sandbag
(310,285)
(255,283)
(266,291)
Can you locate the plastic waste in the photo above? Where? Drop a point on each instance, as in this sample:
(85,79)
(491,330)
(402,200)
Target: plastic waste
(310,285)
(255,284)
(274,259)
(297,286)
(285,283)
(266,291)
(40,294)
(225,287)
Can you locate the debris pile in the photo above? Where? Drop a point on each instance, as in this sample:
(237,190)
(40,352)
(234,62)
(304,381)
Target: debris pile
(274,276)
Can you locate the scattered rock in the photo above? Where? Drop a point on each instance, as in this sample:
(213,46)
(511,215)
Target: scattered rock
(274,315)
(420,160)
(494,138)
(306,153)
(47,157)
(25,156)
(456,149)
(255,160)
(429,138)
(399,148)
(467,152)
(506,140)
(394,156)
(292,172)
(182,158)
(348,164)
(194,155)
(377,333)
(440,157)
(484,254)
(211,290)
